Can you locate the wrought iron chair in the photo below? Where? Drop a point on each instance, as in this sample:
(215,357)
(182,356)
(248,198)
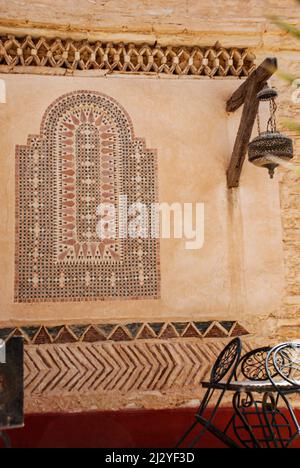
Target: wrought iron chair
(253,365)
(258,422)
(285,359)
(224,367)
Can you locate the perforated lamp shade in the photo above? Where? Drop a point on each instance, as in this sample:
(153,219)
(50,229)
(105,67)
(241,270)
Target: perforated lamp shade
(270,144)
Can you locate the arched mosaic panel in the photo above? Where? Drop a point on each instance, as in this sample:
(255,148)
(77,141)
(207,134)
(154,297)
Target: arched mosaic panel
(86,155)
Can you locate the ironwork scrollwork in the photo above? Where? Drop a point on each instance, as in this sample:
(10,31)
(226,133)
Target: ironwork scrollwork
(286,359)
(242,404)
(277,423)
(253,365)
(225,361)
(287,363)
(225,365)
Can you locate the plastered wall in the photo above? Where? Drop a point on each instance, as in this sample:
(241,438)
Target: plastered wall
(207,295)
(186,122)
(245,279)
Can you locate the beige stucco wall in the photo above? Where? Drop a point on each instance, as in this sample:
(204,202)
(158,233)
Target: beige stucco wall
(237,276)
(235,23)
(248,269)
(92,13)
(187,123)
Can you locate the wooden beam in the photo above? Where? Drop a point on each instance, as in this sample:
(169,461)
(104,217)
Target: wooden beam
(247,94)
(259,76)
(243,136)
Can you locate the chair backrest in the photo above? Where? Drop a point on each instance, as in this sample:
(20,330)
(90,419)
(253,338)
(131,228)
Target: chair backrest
(285,358)
(227,362)
(253,365)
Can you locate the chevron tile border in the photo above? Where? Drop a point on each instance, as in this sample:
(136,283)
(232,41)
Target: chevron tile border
(125,367)
(116,375)
(93,333)
(117,366)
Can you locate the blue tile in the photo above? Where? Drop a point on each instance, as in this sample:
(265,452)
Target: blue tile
(202,326)
(180,326)
(156,326)
(227,325)
(5,332)
(134,328)
(78,330)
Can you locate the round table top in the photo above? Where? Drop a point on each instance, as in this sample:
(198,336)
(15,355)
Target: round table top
(254,386)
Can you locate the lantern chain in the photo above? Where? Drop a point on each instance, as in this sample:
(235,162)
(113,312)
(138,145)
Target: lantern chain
(272,120)
(258,123)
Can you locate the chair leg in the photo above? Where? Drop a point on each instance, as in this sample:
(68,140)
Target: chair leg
(206,427)
(186,434)
(6,440)
(209,427)
(295,437)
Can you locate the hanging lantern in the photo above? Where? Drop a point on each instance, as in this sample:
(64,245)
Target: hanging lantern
(270,145)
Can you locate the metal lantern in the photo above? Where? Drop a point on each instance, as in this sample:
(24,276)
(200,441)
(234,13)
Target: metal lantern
(270,146)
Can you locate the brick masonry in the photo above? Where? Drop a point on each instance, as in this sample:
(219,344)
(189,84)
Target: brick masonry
(288,111)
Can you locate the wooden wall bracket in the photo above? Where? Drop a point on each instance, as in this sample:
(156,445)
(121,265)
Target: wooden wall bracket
(247,94)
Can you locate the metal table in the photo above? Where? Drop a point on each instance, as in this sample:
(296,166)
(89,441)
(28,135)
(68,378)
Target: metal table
(258,422)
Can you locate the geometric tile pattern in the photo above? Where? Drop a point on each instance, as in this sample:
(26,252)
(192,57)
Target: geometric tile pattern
(85,159)
(109,366)
(126,58)
(105,366)
(93,333)
(79,376)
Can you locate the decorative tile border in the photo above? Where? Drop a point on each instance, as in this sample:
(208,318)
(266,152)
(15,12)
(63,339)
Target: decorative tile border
(116,375)
(17,52)
(115,366)
(92,333)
